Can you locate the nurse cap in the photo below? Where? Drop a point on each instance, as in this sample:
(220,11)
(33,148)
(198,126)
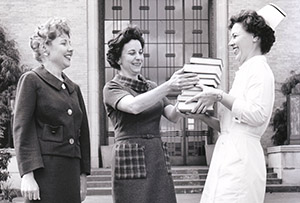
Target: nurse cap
(272,14)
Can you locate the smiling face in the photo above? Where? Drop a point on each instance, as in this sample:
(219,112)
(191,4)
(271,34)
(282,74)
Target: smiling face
(244,44)
(132,58)
(60,51)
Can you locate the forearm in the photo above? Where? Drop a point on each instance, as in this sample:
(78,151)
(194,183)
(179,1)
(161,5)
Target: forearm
(171,113)
(28,175)
(143,101)
(212,122)
(178,81)
(227,100)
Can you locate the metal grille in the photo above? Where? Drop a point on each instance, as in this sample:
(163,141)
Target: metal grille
(174,30)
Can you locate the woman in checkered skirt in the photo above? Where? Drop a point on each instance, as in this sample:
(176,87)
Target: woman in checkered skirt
(140,167)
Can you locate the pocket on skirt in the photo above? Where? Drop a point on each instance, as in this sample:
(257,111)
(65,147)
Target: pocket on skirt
(130,161)
(167,157)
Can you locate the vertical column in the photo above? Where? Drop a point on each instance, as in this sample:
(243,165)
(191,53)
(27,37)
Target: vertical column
(294,116)
(102,77)
(93,80)
(221,32)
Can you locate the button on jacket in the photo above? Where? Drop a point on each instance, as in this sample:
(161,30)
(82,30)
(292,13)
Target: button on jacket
(51,120)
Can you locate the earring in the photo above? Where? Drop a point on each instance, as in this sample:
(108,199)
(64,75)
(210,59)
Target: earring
(119,62)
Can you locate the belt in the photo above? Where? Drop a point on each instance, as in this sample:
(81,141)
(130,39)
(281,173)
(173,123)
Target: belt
(248,134)
(126,137)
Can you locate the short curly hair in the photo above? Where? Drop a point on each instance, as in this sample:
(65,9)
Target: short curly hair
(46,33)
(115,45)
(256,24)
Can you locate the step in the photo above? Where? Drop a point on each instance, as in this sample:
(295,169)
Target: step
(195,182)
(99,191)
(271,175)
(273,181)
(188,189)
(178,190)
(282,188)
(188,176)
(189,170)
(99,178)
(190,179)
(175,177)
(96,183)
(92,184)
(270,170)
(176,170)
(198,189)
(101,171)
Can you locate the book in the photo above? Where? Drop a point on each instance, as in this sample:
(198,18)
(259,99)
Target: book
(209,76)
(203,69)
(209,82)
(191,91)
(183,107)
(184,98)
(210,61)
(209,71)
(195,88)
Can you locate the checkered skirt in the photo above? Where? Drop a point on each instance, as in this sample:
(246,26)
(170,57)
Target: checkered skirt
(130,161)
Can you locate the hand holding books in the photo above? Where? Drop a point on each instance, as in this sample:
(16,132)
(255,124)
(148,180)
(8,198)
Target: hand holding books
(201,97)
(204,99)
(181,80)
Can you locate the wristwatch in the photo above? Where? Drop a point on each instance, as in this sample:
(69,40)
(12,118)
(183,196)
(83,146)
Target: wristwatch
(220,96)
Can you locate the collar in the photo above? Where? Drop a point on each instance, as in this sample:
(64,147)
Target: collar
(140,85)
(250,60)
(53,81)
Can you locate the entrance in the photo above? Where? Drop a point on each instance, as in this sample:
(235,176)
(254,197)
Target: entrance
(174,30)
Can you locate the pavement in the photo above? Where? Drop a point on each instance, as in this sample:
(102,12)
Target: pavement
(291,197)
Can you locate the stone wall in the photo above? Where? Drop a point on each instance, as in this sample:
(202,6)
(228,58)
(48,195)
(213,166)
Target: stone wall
(20,18)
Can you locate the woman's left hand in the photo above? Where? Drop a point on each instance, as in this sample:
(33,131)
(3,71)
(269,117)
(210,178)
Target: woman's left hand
(181,80)
(204,99)
(83,187)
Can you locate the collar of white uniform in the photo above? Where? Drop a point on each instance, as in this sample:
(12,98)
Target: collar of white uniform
(250,60)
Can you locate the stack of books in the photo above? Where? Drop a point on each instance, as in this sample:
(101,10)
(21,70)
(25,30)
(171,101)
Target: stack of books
(209,71)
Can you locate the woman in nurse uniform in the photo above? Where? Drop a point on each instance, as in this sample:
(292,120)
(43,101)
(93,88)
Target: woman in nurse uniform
(237,172)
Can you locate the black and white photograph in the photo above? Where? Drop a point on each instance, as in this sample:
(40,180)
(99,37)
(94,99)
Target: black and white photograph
(149,101)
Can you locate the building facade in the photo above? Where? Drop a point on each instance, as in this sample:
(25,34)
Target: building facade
(174,30)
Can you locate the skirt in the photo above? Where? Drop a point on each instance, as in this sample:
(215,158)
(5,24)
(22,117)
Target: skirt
(237,173)
(59,180)
(141,172)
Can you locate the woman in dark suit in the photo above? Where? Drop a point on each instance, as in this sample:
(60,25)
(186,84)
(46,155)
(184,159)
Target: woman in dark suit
(51,133)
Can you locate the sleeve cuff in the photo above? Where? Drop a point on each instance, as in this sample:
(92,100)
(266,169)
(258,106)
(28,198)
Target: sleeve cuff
(237,107)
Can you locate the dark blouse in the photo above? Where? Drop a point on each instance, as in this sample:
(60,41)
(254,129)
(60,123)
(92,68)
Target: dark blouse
(146,122)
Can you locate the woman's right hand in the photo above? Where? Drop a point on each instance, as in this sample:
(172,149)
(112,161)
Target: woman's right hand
(29,187)
(180,80)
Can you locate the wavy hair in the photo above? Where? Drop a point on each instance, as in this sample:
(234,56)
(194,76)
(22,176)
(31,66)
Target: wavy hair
(115,45)
(255,24)
(46,33)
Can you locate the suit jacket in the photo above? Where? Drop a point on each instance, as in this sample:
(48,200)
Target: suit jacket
(50,119)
